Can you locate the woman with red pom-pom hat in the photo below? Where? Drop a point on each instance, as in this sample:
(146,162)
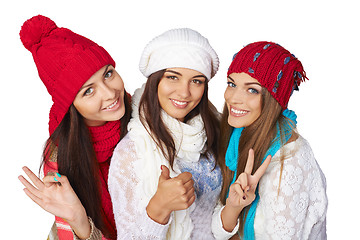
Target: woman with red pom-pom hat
(88,117)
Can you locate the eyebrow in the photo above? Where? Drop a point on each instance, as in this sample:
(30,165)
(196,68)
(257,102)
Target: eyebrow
(106,69)
(90,84)
(247,83)
(172,71)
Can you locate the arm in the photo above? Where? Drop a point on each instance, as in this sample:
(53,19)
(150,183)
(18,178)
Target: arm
(241,194)
(132,220)
(217,227)
(298,207)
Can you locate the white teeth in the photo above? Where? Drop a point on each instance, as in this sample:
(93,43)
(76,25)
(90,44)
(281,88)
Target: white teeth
(112,105)
(179,103)
(238,111)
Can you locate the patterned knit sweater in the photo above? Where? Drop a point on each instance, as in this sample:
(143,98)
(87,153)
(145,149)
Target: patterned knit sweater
(132,221)
(299,210)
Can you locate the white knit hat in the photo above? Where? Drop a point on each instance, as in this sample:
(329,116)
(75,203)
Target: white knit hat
(183,48)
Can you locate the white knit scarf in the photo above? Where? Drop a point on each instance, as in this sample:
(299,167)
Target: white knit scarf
(189,138)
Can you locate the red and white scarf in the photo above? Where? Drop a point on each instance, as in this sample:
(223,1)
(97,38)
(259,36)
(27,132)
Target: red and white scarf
(104,139)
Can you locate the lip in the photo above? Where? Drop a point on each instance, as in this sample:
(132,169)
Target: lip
(179,104)
(236,112)
(113,106)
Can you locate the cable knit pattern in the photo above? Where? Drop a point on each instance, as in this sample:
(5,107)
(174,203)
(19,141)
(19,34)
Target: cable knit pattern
(134,174)
(299,210)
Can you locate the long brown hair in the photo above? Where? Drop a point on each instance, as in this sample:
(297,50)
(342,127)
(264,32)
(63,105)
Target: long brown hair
(150,109)
(258,136)
(81,167)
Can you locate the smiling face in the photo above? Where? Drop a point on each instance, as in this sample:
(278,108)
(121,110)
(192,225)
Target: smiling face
(180,90)
(101,98)
(243,99)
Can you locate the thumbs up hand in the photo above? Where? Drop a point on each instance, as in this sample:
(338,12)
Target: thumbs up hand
(172,194)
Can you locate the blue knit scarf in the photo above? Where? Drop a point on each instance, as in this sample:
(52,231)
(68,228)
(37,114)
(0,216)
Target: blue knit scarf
(231,160)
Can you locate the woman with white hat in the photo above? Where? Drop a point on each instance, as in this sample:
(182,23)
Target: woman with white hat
(163,180)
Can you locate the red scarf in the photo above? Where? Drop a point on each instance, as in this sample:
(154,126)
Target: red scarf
(105,139)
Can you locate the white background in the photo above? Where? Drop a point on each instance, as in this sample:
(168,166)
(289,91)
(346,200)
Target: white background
(324,35)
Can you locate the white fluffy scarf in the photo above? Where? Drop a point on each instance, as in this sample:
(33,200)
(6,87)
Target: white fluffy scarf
(189,141)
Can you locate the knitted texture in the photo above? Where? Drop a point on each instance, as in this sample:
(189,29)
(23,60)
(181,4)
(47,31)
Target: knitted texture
(182,48)
(134,175)
(273,66)
(64,60)
(105,139)
(294,210)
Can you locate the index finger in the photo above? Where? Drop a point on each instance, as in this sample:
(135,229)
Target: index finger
(37,182)
(250,162)
(262,169)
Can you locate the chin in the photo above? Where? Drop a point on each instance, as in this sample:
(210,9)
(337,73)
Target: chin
(235,122)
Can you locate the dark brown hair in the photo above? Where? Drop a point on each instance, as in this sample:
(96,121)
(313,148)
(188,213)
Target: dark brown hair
(150,109)
(258,136)
(81,167)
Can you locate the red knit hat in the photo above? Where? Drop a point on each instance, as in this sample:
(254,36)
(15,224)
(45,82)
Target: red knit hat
(273,66)
(64,59)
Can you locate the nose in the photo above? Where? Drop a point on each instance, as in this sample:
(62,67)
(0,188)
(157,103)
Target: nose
(234,96)
(108,92)
(183,90)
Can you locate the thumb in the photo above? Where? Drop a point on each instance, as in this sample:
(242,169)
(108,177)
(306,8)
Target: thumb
(165,173)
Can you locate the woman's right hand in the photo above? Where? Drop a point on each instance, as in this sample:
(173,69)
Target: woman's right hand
(172,194)
(55,195)
(242,191)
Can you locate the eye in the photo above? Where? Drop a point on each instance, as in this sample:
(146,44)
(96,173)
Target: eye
(253,90)
(88,91)
(108,74)
(231,84)
(197,81)
(171,77)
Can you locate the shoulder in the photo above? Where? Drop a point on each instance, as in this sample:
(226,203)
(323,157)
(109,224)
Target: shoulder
(124,153)
(300,172)
(300,153)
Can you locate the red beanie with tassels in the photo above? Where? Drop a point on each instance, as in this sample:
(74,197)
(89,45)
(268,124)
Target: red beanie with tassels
(273,66)
(64,60)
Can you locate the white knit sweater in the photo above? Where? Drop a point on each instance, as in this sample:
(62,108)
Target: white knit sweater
(132,221)
(299,210)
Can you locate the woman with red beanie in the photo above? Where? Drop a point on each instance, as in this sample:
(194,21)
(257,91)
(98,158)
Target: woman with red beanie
(259,140)
(88,117)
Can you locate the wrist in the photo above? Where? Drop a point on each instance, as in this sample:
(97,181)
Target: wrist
(80,224)
(157,212)
(229,217)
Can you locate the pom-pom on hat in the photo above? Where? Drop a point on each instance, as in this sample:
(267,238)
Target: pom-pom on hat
(183,48)
(273,66)
(64,60)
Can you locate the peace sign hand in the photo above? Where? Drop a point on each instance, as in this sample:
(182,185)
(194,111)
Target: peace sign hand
(242,191)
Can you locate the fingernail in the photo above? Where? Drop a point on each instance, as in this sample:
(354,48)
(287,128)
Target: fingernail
(55,179)
(58,174)
(161,167)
